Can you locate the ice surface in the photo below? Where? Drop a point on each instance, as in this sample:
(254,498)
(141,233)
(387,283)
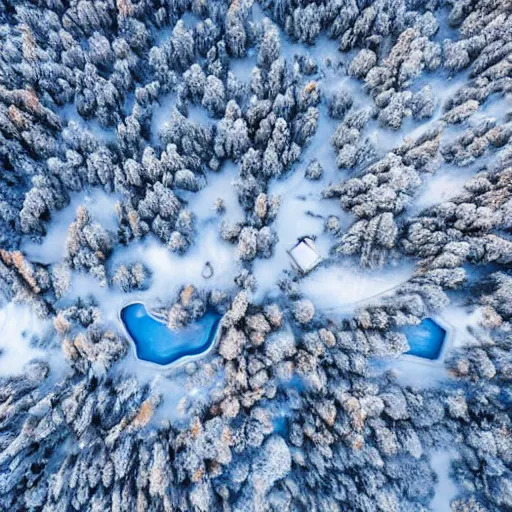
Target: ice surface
(156,343)
(426,339)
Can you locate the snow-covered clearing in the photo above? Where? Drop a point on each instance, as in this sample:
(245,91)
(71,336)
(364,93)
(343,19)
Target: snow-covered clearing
(443,186)
(19,327)
(445,489)
(465,323)
(496,106)
(339,288)
(303,211)
(69,114)
(219,185)
(101,206)
(242,68)
(415,372)
(169,272)
(178,392)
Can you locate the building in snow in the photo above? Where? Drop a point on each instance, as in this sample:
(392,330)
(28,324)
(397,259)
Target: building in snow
(305,256)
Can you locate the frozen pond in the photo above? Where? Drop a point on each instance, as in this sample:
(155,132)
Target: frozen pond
(156,343)
(426,339)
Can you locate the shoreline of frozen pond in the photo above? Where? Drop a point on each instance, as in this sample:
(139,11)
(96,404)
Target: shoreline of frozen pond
(154,343)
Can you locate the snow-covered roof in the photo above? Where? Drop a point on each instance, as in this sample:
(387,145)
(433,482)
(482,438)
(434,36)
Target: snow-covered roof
(305,256)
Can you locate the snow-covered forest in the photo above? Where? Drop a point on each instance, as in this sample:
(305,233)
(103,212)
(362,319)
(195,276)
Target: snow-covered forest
(173,152)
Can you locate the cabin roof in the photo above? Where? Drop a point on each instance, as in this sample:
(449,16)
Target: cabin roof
(304,255)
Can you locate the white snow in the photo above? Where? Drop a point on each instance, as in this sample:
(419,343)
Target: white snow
(293,222)
(219,185)
(305,255)
(242,68)
(339,288)
(413,372)
(101,206)
(303,211)
(497,106)
(443,186)
(445,489)
(69,113)
(463,329)
(190,20)
(169,272)
(161,113)
(18,326)
(164,34)
(386,139)
(464,321)
(199,115)
(336,288)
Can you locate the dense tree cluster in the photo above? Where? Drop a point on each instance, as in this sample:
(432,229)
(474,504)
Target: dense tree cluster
(145,101)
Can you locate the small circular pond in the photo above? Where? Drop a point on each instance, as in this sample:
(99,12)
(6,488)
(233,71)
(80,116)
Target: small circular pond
(156,343)
(426,339)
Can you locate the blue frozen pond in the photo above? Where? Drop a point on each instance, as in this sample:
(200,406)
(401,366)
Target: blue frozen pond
(156,343)
(426,339)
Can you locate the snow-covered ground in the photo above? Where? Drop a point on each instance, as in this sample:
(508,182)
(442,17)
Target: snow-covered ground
(242,67)
(340,288)
(445,489)
(169,272)
(218,185)
(69,114)
(413,372)
(102,208)
(447,183)
(464,322)
(303,211)
(19,326)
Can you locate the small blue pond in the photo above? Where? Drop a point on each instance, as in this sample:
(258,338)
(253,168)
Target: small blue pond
(156,343)
(426,339)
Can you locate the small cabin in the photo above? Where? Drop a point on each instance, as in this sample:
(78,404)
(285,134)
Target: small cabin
(304,255)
